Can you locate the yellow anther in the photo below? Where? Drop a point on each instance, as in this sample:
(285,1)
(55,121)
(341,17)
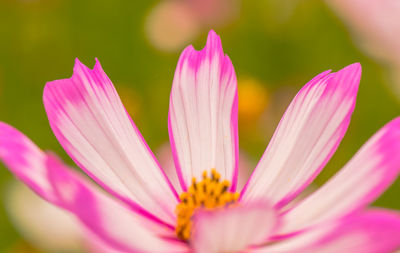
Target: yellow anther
(204,174)
(207,194)
(215,176)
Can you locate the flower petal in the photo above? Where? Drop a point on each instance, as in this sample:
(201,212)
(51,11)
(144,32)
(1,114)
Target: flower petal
(203,113)
(96,245)
(108,219)
(306,138)
(369,232)
(102,215)
(88,118)
(25,160)
(233,229)
(374,167)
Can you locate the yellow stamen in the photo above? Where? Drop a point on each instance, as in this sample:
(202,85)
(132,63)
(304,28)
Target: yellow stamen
(210,193)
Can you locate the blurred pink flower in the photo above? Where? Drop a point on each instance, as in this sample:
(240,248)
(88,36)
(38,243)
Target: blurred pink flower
(172,24)
(376,28)
(44,225)
(140,210)
(376,23)
(214,12)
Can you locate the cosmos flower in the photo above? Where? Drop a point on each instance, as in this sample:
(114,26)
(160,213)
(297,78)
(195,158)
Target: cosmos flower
(140,210)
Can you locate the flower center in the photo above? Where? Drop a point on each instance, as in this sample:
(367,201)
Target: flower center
(208,194)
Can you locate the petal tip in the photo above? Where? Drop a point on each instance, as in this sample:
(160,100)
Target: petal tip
(78,64)
(77,61)
(214,43)
(79,67)
(97,66)
(213,37)
(354,68)
(349,79)
(394,129)
(212,33)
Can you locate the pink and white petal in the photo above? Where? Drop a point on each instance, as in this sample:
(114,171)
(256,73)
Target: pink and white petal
(375,166)
(112,222)
(374,231)
(96,245)
(233,229)
(306,138)
(25,160)
(89,120)
(203,113)
(61,186)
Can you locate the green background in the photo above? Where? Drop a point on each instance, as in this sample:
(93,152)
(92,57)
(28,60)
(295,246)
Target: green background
(39,41)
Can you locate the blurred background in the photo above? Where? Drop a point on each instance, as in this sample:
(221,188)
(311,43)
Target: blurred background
(276,46)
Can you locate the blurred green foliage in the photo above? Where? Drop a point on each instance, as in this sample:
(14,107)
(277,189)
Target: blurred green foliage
(279,44)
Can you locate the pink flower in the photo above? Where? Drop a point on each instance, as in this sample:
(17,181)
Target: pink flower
(375,26)
(140,211)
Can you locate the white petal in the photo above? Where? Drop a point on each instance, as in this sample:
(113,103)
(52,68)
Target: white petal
(306,138)
(111,220)
(203,114)
(375,166)
(368,232)
(89,120)
(232,229)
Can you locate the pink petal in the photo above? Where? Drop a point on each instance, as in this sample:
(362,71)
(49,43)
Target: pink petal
(203,113)
(233,229)
(368,232)
(375,25)
(110,220)
(89,120)
(96,245)
(306,138)
(25,160)
(114,223)
(374,167)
